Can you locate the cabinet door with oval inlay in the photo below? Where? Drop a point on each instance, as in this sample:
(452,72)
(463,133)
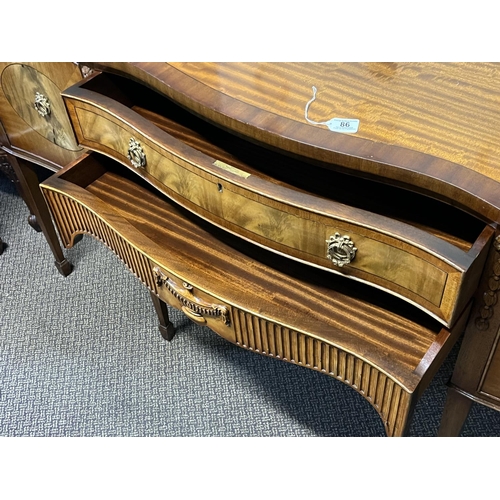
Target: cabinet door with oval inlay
(33,113)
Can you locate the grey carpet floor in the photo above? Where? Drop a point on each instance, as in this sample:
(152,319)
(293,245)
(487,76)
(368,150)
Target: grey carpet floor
(82,356)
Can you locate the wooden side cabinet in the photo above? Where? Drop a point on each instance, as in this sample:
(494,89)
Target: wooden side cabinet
(476,377)
(33,114)
(35,130)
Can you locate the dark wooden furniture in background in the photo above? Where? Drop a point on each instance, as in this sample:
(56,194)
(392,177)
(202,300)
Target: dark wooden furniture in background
(35,130)
(233,194)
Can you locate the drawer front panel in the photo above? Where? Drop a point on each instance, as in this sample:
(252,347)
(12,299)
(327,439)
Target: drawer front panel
(239,203)
(197,305)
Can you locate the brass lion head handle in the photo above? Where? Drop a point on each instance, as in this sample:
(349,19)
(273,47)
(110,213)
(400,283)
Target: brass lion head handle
(42,104)
(340,249)
(136,154)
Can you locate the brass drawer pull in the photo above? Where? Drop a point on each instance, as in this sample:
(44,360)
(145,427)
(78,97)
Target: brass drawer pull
(136,154)
(42,104)
(192,306)
(340,249)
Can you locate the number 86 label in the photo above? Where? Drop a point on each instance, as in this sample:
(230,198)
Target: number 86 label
(344,125)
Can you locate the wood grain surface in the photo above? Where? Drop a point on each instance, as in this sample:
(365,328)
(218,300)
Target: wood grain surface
(430,269)
(432,127)
(376,344)
(48,141)
(201,254)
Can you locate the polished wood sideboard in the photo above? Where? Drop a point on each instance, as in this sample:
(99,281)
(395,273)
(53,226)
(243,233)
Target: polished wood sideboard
(235,194)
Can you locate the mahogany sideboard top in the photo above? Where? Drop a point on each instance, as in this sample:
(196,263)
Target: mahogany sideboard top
(433,127)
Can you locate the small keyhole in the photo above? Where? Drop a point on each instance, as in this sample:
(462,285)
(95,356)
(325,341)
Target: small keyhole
(220,187)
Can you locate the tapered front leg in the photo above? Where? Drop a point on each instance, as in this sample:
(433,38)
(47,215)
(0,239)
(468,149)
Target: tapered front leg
(455,413)
(166,327)
(29,184)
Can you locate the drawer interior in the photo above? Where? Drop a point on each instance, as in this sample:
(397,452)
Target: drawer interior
(434,216)
(152,213)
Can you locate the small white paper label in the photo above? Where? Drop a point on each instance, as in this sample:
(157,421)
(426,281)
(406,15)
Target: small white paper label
(344,125)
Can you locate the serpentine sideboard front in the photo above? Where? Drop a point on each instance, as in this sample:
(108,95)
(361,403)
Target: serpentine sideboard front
(342,217)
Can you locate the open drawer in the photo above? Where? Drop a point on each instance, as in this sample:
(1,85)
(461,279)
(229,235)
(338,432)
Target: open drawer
(414,247)
(381,346)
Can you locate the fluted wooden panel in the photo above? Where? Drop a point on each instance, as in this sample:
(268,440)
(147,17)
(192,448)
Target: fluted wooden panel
(389,399)
(72,218)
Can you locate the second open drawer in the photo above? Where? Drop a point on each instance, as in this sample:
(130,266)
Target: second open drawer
(377,344)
